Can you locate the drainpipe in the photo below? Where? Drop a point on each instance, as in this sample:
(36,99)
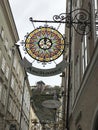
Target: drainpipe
(69,69)
(22,102)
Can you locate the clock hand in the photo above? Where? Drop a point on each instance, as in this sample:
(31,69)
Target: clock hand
(45,40)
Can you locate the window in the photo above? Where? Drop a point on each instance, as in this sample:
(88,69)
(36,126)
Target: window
(9,53)
(0,53)
(12,82)
(4,92)
(84,53)
(96,4)
(10,104)
(6,43)
(14,111)
(21,79)
(18,115)
(3,64)
(0,90)
(26,101)
(78,3)
(96,15)
(7,71)
(13,108)
(19,95)
(68,6)
(16,89)
(18,68)
(2,33)
(15,62)
(77,75)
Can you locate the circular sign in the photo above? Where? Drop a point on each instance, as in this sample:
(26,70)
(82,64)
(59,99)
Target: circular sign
(44,44)
(51,104)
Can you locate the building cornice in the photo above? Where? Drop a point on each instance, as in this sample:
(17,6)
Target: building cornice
(10,20)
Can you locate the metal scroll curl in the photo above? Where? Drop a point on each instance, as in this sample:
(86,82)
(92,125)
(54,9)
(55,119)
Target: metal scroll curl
(44,72)
(82,17)
(78,18)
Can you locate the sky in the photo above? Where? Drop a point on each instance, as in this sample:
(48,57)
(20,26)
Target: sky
(39,10)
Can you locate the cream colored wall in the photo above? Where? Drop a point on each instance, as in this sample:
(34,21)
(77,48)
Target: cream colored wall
(32,117)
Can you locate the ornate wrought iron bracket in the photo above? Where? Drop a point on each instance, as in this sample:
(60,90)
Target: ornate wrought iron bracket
(78,18)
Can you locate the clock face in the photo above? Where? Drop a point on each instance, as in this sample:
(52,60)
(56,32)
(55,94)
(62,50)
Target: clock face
(44,44)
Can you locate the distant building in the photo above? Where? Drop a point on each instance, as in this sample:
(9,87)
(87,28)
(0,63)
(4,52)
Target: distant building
(40,86)
(34,121)
(83,87)
(48,117)
(14,87)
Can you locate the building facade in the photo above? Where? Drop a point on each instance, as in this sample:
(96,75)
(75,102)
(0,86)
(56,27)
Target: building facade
(14,87)
(83,85)
(34,121)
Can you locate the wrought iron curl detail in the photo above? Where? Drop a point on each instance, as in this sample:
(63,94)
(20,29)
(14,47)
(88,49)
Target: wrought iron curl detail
(60,17)
(81,21)
(78,18)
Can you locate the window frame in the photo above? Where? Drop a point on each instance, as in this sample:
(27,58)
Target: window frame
(84,53)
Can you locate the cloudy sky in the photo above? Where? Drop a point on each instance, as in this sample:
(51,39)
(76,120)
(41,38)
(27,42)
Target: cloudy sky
(39,10)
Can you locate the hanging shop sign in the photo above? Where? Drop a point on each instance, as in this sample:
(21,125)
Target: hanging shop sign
(52,104)
(44,44)
(44,72)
